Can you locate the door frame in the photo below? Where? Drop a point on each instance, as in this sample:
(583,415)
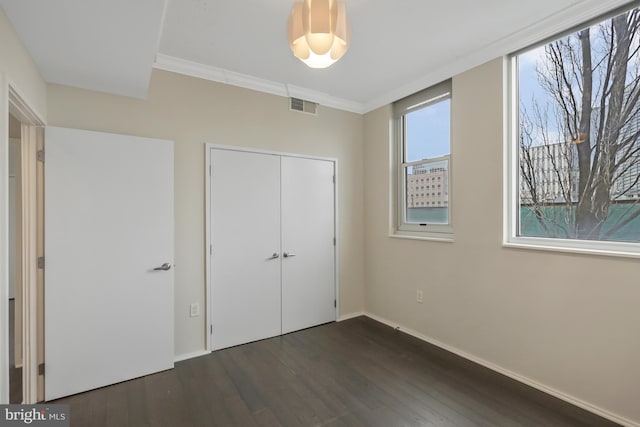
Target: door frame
(209,244)
(15,103)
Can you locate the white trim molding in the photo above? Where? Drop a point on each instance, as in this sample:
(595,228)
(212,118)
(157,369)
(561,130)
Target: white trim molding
(220,75)
(21,107)
(575,14)
(4,240)
(192,355)
(13,101)
(348,316)
(513,375)
(578,11)
(29,263)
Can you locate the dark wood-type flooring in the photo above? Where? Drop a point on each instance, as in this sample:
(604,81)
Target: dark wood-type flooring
(15,374)
(354,373)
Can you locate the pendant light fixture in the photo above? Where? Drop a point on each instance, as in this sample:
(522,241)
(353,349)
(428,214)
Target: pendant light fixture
(318,32)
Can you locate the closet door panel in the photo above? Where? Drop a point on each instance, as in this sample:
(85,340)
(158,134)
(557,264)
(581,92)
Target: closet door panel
(245,235)
(308,227)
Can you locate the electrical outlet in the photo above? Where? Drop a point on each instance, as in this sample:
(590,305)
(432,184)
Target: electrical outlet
(194,310)
(419,296)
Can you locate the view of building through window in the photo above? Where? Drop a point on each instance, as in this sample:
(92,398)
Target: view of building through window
(427,149)
(428,193)
(578,134)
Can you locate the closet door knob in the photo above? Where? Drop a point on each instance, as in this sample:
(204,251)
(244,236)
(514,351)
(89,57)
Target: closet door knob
(288,255)
(275,255)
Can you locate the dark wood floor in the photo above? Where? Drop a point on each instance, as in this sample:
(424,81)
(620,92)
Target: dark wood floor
(15,374)
(354,373)
(15,385)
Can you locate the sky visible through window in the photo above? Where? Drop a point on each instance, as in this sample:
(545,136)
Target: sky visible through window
(527,79)
(529,88)
(429,132)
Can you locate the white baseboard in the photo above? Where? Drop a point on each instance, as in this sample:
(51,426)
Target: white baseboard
(350,316)
(520,378)
(187,356)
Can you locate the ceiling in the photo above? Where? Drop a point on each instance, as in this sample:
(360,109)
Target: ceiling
(397,47)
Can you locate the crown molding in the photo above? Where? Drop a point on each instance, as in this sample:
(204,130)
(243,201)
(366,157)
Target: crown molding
(220,75)
(325,99)
(575,14)
(578,12)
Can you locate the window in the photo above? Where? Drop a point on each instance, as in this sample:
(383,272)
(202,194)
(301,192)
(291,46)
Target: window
(574,144)
(423,147)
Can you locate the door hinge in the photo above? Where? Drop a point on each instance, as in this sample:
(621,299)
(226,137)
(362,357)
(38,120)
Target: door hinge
(209,170)
(335,303)
(210,249)
(334,179)
(41,262)
(334,241)
(40,156)
(211,330)
(41,369)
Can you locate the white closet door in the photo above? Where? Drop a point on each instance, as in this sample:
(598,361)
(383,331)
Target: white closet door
(108,224)
(308,272)
(245,235)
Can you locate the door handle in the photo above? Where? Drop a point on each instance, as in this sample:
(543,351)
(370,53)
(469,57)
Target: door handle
(288,254)
(275,255)
(164,267)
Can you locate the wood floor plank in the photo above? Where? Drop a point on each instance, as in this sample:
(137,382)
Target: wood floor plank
(138,400)
(354,373)
(266,418)
(116,400)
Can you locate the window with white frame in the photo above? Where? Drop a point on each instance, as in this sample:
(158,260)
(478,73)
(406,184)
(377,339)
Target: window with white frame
(574,140)
(423,157)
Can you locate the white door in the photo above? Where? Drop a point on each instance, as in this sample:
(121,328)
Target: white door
(108,225)
(308,263)
(245,259)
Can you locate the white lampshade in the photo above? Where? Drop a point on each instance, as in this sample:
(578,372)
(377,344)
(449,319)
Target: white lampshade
(318,32)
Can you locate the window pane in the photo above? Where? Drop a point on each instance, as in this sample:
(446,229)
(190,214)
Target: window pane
(428,132)
(579,123)
(427,193)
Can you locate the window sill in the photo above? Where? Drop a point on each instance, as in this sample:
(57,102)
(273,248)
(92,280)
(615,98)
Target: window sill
(611,249)
(415,235)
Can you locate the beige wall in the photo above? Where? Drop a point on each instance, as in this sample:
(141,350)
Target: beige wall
(569,322)
(18,70)
(14,127)
(193,112)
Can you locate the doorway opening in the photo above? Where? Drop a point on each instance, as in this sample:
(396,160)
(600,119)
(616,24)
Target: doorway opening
(26,225)
(15,262)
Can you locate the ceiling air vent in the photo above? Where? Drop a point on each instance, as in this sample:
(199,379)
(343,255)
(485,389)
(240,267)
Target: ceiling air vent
(297,104)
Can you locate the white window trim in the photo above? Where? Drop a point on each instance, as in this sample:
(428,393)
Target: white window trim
(511,188)
(399,228)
